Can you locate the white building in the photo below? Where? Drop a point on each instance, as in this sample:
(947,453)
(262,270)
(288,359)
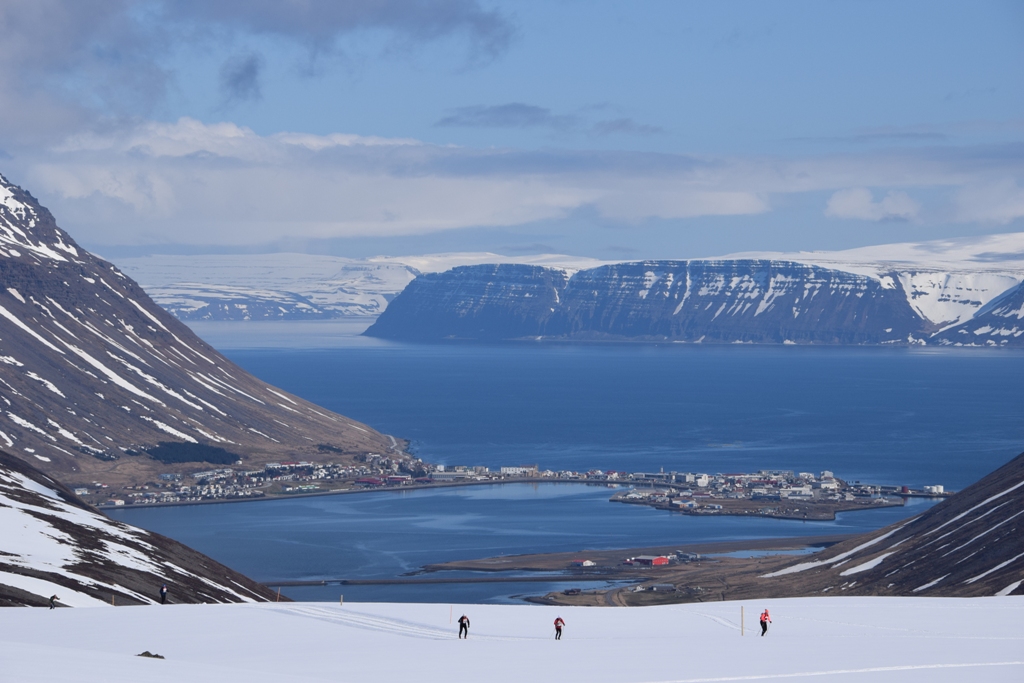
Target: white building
(524,471)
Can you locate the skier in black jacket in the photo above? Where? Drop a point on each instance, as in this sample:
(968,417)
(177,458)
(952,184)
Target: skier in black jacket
(463,626)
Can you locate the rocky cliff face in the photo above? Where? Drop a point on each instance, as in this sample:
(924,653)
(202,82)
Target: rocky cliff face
(93,373)
(51,543)
(1000,323)
(489,302)
(692,301)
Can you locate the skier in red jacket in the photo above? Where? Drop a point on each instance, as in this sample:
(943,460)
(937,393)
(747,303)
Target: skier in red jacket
(765,620)
(559,623)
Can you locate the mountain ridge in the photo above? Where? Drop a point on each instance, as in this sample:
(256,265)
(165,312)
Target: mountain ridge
(56,544)
(93,374)
(745,300)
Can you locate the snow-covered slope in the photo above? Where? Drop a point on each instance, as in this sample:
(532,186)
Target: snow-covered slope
(852,640)
(946,281)
(971,544)
(51,543)
(93,374)
(268,286)
(296,286)
(998,323)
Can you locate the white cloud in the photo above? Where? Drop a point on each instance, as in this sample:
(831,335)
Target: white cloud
(190,182)
(1000,201)
(860,204)
(221,183)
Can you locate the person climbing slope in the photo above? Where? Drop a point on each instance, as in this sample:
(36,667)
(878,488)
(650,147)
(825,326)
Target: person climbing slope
(765,620)
(53,601)
(463,626)
(559,623)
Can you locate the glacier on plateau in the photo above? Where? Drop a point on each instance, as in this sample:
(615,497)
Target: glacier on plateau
(286,286)
(849,639)
(945,283)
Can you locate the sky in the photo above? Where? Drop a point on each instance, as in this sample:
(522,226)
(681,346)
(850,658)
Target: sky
(613,130)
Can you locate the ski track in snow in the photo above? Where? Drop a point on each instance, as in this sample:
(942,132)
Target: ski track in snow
(388,625)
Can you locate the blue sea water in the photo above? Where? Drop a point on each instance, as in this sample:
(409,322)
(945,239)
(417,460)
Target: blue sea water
(891,416)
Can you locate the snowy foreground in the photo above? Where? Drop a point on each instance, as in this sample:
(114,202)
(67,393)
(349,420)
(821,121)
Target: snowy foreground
(847,639)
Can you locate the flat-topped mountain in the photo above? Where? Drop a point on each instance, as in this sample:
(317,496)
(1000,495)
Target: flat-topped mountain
(51,543)
(94,375)
(693,301)
(710,301)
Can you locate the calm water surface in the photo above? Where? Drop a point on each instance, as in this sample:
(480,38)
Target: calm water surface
(891,416)
(387,534)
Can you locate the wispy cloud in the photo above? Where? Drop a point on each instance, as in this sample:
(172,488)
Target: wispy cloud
(223,184)
(240,78)
(320,22)
(65,65)
(511,115)
(999,201)
(859,203)
(625,126)
(520,115)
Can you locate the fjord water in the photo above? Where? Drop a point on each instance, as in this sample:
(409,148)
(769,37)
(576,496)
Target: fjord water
(889,416)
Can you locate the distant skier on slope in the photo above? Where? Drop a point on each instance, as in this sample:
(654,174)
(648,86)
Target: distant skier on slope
(463,626)
(765,620)
(53,601)
(559,623)
(163,594)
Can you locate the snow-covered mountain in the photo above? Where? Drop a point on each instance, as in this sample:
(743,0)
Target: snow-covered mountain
(93,374)
(971,544)
(268,286)
(995,324)
(895,294)
(289,286)
(51,543)
(944,283)
(694,301)
(947,282)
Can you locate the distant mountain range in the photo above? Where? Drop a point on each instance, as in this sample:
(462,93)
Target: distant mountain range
(94,375)
(959,292)
(290,286)
(51,543)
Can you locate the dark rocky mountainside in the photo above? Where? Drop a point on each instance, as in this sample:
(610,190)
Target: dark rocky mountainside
(491,302)
(999,323)
(690,301)
(971,544)
(51,543)
(93,374)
